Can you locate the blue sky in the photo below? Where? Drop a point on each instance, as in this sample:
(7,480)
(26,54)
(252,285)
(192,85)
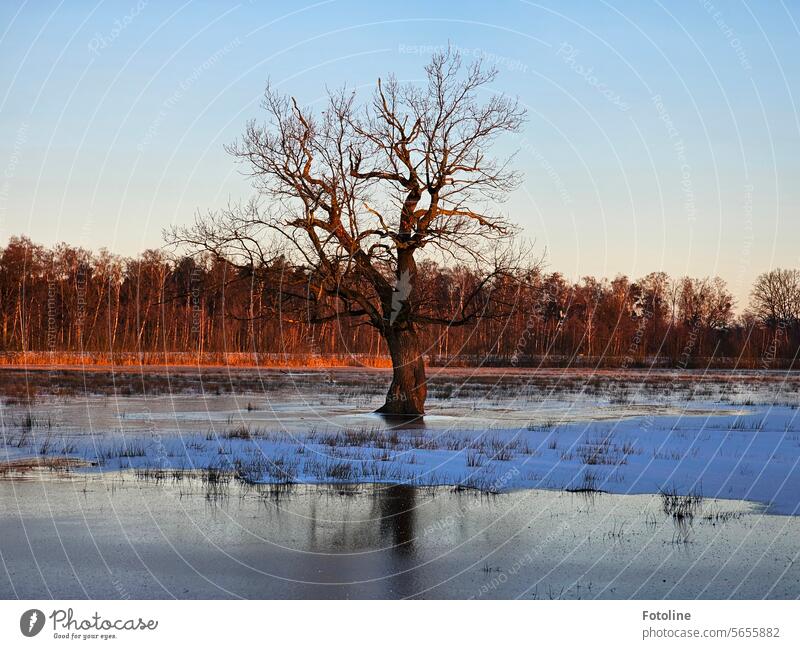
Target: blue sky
(661,136)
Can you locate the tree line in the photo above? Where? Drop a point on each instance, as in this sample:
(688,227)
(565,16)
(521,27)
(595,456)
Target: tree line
(66,299)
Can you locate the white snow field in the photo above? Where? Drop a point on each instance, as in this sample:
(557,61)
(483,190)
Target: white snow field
(728,436)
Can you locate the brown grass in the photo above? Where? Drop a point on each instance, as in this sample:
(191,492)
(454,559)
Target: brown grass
(27,464)
(189,359)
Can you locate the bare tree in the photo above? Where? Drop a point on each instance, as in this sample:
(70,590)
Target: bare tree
(354,196)
(775,297)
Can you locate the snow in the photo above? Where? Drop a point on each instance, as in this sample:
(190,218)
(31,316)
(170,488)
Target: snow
(747,448)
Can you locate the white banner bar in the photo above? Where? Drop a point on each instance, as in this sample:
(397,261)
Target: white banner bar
(386,624)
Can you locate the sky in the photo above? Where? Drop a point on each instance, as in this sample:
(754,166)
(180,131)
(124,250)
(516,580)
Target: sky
(660,135)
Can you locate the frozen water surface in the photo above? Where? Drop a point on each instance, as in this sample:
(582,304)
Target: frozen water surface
(113,536)
(262,483)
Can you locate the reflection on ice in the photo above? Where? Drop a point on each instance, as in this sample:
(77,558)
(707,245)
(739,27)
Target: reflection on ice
(190,538)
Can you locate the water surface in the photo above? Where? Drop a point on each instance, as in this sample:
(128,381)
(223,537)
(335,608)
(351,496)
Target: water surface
(116,536)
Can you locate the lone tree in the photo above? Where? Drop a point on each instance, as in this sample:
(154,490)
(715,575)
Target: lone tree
(350,199)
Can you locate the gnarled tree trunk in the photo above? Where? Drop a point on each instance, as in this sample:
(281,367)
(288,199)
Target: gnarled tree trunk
(407,393)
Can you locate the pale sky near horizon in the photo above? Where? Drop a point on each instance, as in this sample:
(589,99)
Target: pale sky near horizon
(661,136)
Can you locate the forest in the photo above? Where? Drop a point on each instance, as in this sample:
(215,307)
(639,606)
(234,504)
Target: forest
(61,301)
